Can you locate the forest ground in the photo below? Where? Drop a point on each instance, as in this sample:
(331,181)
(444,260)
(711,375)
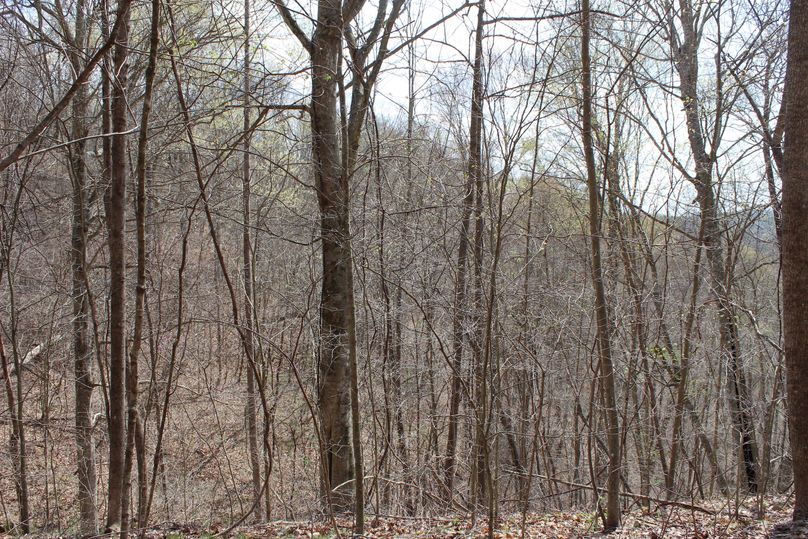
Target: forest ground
(719,519)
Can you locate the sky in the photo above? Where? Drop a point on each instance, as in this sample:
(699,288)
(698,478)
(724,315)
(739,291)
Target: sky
(442,81)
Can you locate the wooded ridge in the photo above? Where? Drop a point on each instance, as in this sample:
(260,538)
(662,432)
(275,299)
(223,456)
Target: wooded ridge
(400,268)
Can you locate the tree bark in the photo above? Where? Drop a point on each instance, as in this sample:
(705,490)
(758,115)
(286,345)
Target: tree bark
(337,339)
(17,440)
(115,202)
(458,337)
(246,247)
(135,442)
(686,60)
(612,520)
(82,356)
(795,250)
(479,465)
(334,149)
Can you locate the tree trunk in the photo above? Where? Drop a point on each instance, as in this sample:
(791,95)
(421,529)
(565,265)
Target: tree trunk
(337,338)
(338,387)
(246,247)
(458,337)
(17,440)
(647,432)
(115,214)
(82,357)
(686,60)
(85,447)
(475,174)
(795,250)
(135,442)
(612,520)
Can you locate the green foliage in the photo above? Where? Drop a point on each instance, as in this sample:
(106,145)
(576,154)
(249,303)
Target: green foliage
(663,355)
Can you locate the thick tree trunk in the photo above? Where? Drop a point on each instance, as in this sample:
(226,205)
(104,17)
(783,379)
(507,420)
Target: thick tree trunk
(334,150)
(337,337)
(115,215)
(795,250)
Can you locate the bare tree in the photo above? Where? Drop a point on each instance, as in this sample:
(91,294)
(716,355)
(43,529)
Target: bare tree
(606,378)
(388,270)
(82,353)
(704,148)
(135,437)
(334,163)
(249,308)
(115,202)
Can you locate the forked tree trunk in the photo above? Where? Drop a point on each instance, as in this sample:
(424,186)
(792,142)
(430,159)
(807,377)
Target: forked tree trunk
(686,60)
(135,437)
(334,150)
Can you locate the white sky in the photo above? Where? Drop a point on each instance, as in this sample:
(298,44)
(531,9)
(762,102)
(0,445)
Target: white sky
(442,67)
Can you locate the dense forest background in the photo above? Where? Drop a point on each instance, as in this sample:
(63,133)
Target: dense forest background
(284,260)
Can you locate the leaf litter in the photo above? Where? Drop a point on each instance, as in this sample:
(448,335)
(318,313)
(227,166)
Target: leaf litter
(716,520)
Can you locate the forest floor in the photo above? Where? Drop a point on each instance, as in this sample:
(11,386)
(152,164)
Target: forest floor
(713,520)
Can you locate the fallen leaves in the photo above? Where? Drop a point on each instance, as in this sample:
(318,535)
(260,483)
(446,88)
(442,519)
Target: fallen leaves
(728,522)
(744,521)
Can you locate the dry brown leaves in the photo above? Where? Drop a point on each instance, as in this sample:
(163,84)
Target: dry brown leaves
(722,520)
(728,521)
